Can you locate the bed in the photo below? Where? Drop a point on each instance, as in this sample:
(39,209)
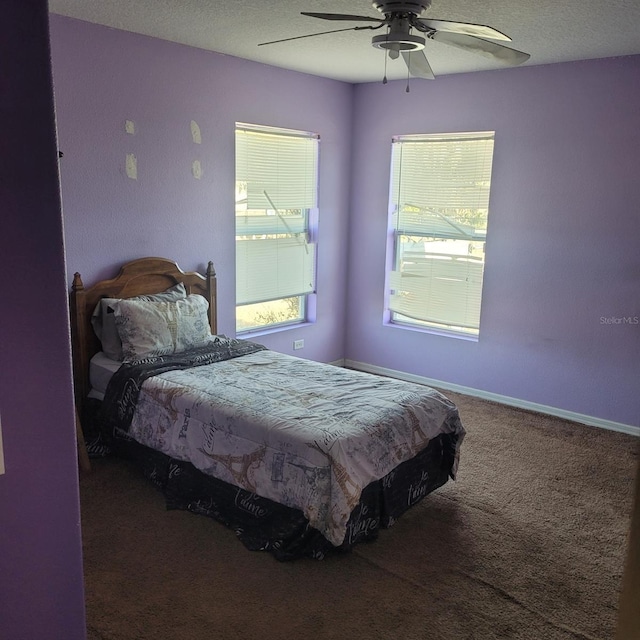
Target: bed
(299,458)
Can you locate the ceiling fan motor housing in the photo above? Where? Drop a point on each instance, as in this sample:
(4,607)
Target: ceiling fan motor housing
(396,6)
(399,20)
(398,41)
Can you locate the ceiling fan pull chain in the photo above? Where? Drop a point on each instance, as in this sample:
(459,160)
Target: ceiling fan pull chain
(407,90)
(384,80)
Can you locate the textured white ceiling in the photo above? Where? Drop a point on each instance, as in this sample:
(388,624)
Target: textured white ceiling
(550,30)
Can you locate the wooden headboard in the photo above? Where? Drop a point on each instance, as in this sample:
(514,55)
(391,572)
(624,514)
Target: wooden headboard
(142,276)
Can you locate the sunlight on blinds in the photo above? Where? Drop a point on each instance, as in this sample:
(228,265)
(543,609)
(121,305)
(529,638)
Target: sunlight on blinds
(439,196)
(451,286)
(276,191)
(270,269)
(282,164)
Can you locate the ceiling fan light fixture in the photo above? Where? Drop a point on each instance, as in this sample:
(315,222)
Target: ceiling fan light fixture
(400,6)
(398,42)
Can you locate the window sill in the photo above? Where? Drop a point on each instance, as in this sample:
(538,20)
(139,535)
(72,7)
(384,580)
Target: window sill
(433,331)
(256,333)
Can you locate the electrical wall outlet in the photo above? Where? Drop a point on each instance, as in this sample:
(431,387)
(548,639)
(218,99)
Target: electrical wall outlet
(298,344)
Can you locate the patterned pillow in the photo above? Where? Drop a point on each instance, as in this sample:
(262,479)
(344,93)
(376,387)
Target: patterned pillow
(104,323)
(159,328)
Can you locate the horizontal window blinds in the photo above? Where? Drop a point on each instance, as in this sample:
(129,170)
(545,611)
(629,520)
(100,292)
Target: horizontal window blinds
(276,188)
(442,172)
(282,166)
(439,289)
(439,196)
(270,269)
(434,224)
(270,223)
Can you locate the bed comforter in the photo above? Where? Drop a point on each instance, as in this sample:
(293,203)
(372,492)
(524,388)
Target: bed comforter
(306,435)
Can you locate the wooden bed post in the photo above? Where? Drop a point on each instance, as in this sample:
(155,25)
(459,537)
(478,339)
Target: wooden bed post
(77,307)
(80,363)
(212,289)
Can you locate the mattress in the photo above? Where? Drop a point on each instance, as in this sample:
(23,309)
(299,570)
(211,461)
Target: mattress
(101,369)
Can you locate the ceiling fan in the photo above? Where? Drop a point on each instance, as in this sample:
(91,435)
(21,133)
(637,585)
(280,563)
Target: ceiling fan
(406,33)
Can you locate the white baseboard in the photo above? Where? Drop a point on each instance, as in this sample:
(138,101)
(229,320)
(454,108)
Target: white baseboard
(495,397)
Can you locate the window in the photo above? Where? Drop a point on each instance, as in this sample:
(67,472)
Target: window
(276,221)
(439,205)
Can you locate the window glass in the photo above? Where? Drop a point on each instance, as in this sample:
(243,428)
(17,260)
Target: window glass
(439,207)
(276,213)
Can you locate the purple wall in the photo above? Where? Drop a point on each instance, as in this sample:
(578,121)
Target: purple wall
(562,249)
(562,252)
(104,77)
(564,233)
(41,583)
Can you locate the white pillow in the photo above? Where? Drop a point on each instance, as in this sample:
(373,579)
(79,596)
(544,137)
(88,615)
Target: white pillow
(103,319)
(149,328)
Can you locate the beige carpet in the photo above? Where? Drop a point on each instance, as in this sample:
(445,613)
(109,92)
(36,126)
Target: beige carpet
(528,543)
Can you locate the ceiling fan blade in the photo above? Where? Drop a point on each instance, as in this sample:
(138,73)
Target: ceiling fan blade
(311,35)
(418,64)
(340,16)
(465,28)
(482,47)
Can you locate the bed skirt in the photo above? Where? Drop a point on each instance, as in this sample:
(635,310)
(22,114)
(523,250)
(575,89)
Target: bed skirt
(262,524)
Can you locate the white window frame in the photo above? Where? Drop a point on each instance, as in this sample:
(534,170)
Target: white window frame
(276,225)
(438,214)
